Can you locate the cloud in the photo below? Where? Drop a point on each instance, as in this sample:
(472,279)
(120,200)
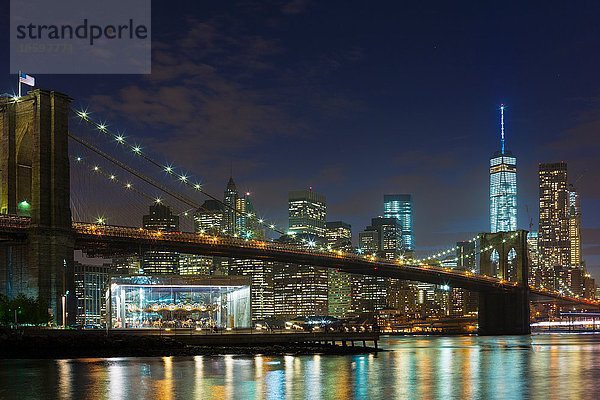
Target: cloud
(219,95)
(590,241)
(582,141)
(217,88)
(199,92)
(295,6)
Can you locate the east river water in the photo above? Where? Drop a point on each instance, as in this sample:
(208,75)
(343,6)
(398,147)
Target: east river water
(543,366)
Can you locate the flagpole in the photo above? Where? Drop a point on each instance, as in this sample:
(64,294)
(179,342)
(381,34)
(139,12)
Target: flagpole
(19,78)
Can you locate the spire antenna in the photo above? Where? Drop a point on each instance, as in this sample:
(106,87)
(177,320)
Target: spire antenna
(502,126)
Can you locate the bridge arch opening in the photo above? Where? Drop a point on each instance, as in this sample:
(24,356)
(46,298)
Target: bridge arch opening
(511,265)
(495,264)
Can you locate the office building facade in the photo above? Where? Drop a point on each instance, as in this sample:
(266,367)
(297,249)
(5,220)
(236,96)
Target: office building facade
(230,215)
(307,212)
(503,193)
(382,238)
(262,294)
(208,219)
(554,239)
(300,290)
(160,218)
(400,206)
(90,291)
(575,227)
(303,289)
(339,237)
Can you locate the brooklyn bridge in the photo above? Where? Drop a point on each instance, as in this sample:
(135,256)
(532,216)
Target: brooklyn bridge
(39,234)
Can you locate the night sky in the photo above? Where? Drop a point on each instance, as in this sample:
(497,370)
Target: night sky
(358,99)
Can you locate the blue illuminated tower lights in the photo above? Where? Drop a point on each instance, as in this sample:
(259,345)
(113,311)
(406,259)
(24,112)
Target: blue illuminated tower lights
(503,191)
(502,126)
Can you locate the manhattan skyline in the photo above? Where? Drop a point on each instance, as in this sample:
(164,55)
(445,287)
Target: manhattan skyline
(286,199)
(367,116)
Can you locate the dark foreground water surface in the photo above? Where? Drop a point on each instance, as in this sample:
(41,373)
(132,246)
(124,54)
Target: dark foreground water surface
(561,366)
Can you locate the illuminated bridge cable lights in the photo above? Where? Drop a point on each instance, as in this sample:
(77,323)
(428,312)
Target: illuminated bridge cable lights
(438,255)
(101,220)
(112,177)
(102,127)
(135,173)
(472,254)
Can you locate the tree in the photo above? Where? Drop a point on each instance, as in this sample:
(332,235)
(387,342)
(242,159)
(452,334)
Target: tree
(26,310)
(3,309)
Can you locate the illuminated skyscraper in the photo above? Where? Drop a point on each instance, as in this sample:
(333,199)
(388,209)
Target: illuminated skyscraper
(229,211)
(160,218)
(302,289)
(399,206)
(383,238)
(236,217)
(128,265)
(193,264)
(369,293)
(90,291)
(244,215)
(261,284)
(466,260)
(368,241)
(339,237)
(575,227)
(209,217)
(307,213)
(247,224)
(554,243)
(503,187)
(535,275)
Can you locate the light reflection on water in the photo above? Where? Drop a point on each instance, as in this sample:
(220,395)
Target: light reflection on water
(542,366)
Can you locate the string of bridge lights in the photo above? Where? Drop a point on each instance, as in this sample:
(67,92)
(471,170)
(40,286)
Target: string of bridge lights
(137,174)
(474,253)
(169,169)
(186,179)
(127,185)
(111,177)
(440,254)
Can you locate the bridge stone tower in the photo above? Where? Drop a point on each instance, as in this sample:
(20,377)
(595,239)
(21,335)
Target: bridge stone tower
(34,170)
(505,313)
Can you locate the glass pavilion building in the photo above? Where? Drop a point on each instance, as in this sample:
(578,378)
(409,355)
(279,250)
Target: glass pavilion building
(172,301)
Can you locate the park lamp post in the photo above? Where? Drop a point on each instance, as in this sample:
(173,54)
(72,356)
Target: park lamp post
(64,296)
(16,311)
(65,314)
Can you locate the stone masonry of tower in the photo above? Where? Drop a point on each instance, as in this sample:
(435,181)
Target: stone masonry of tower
(34,167)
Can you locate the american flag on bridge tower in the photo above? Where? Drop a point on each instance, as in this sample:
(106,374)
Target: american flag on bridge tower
(26,79)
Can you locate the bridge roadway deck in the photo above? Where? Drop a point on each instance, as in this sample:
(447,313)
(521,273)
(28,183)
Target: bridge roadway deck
(106,240)
(542,295)
(103,239)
